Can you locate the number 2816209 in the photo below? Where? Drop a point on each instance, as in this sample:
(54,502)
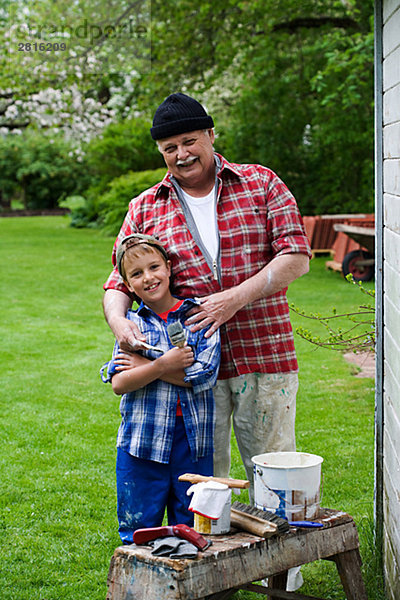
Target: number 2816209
(41,47)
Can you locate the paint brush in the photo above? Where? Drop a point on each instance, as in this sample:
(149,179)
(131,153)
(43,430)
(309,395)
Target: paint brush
(149,347)
(176,334)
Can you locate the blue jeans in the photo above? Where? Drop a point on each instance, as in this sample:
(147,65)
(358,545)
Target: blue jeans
(145,487)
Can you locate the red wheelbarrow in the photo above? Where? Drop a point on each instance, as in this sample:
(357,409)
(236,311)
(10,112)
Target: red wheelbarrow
(359,262)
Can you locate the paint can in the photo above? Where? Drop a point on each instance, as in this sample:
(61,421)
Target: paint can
(204,525)
(288,484)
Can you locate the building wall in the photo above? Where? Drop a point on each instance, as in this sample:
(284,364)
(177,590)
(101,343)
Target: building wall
(391,294)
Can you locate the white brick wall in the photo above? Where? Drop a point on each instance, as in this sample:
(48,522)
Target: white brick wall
(391,289)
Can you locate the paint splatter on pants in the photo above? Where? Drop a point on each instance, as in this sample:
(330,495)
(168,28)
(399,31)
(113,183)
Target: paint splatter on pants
(146,488)
(262,407)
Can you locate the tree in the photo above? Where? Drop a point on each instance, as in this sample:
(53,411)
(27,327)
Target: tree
(70,66)
(305,108)
(289,83)
(123,147)
(38,170)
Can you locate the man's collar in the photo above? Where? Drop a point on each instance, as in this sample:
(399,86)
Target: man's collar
(222,164)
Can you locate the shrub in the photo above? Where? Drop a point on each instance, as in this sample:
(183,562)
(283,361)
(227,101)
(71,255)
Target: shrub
(40,170)
(83,212)
(108,210)
(114,204)
(8,170)
(122,147)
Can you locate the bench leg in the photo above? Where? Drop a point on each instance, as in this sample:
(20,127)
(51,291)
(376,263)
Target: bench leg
(349,568)
(278,581)
(222,595)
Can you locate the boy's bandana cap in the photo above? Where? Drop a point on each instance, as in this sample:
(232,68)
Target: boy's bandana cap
(134,240)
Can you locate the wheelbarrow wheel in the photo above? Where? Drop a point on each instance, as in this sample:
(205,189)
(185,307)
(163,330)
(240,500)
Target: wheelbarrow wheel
(352,263)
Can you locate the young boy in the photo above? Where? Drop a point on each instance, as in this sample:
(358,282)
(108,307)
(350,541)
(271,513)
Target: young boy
(167,405)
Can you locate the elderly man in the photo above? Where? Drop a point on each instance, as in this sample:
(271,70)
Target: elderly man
(236,240)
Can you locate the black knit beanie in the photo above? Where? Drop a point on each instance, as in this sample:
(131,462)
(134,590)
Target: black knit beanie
(179,114)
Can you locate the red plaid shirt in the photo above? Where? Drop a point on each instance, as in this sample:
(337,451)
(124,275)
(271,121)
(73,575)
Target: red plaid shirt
(258,219)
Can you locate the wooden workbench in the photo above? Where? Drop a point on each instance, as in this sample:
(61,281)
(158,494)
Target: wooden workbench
(236,560)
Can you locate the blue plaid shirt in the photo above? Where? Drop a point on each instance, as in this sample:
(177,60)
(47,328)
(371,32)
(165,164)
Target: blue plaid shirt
(148,414)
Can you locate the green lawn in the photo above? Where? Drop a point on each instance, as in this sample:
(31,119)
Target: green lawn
(58,421)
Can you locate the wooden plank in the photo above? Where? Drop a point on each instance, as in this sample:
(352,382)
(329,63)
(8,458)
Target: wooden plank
(392,431)
(391,140)
(392,390)
(391,507)
(133,579)
(392,284)
(391,246)
(230,562)
(222,595)
(389,7)
(392,316)
(391,71)
(392,213)
(318,251)
(391,33)
(391,171)
(349,568)
(391,104)
(277,593)
(392,353)
(277,582)
(392,466)
(309,226)
(231,483)
(391,568)
(353,229)
(334,265)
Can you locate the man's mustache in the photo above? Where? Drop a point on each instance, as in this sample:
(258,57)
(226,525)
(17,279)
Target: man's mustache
(182,163)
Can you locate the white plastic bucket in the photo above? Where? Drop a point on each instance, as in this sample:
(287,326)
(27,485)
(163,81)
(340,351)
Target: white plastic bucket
(288,484)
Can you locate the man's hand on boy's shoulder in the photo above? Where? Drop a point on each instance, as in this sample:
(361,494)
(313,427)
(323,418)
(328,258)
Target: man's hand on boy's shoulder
(213,311)
(128,334)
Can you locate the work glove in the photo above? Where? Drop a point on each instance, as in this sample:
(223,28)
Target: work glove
(174,547)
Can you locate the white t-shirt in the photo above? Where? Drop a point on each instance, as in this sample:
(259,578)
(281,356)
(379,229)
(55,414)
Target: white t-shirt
(204,215)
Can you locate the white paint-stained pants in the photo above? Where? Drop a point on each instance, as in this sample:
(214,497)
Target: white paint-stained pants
(263,409)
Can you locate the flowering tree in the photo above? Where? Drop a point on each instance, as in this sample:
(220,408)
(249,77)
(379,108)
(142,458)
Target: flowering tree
(70,68)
